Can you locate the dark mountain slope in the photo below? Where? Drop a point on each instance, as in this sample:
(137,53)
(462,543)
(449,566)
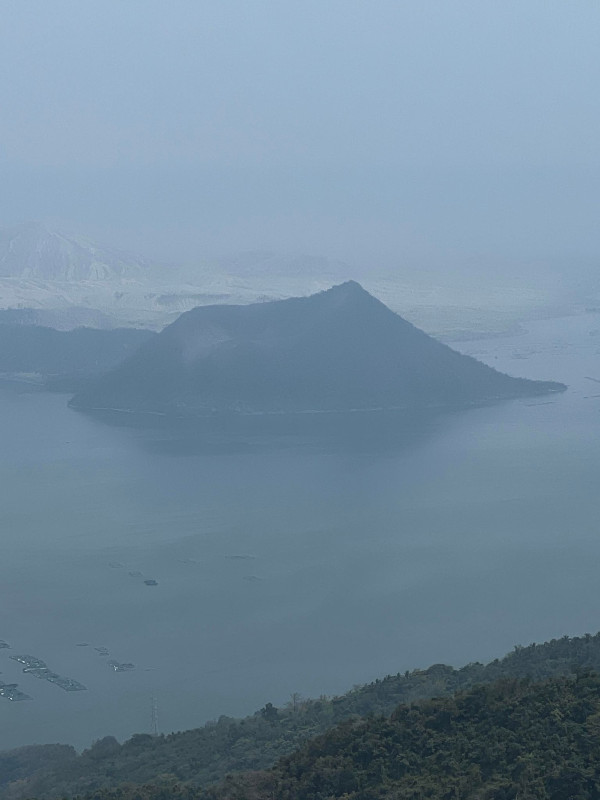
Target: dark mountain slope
(338,350)
(65,357)
(202,756)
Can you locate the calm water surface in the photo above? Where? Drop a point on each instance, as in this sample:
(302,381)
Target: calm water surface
(306,561)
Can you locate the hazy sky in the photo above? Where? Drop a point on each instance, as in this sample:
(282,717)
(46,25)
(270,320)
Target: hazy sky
(440,134)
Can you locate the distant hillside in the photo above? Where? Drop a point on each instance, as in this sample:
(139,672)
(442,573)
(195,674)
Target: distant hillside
(337,350)
(64,358)
(203,756)
(65,319)
(31,250)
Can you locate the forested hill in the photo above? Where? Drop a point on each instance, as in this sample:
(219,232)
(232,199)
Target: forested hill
(205,755)
(511,739)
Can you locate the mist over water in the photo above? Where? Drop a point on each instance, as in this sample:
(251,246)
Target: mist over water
(303,558)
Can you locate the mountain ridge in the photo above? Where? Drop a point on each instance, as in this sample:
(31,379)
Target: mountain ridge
(340,349)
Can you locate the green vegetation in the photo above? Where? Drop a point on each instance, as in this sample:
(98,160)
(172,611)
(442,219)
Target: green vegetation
(511,739)
(206,755)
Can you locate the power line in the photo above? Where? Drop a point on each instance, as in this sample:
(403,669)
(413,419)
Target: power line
(154,716)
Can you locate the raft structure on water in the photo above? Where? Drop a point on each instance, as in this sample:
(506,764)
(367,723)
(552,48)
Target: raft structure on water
(39,669)
(11,691)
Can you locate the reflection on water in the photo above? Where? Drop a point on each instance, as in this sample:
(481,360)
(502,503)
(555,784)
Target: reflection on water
(331,551)
(349,432)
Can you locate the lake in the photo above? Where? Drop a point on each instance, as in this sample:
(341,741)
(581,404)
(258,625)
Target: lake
(292,555)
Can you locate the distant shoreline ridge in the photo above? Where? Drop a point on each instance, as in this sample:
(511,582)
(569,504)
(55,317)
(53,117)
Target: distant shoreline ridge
(310,411)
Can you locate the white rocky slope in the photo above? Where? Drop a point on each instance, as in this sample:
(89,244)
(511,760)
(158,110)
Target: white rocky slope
(75,279)
(31,251)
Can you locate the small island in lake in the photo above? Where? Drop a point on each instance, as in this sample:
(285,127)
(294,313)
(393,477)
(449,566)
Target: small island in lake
(338,350)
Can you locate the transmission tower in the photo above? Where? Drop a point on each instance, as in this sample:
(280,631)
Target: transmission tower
(154,716)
